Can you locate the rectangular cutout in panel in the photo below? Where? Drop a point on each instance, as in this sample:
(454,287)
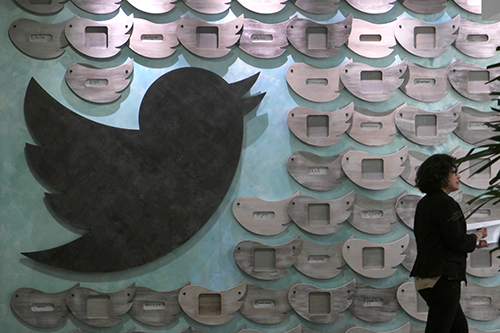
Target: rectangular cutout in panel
(264,304)
(425,125)
(372,214)
(207,37)
(477,126)
(96,37)
(317,38)
(424,82)
(421,304)
(317,126)
(264,260)
(99,307)
(373,302)
(317,171)
(96,83)
(480,259)
(373,258)
(154,306)
(480,300)
(370,38)
(476,83)
(318,259)
(475,166)
(316,82)
(371,82)
(263,215)
(258,38)
(320,303)
(43,307)
(152,38)
(318,214)
(424,38)
(40,38)
(371,126)
(477,38)
(210,304)
(41,2)
(372,169)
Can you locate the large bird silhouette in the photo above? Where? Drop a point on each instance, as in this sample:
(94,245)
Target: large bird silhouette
(139,193)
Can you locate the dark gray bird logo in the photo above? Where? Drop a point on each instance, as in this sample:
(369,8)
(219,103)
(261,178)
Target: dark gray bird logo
(139,193)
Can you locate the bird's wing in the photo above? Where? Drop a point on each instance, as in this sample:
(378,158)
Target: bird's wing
(72,154)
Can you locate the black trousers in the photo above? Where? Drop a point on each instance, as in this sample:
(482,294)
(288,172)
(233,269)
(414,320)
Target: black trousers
(445,312)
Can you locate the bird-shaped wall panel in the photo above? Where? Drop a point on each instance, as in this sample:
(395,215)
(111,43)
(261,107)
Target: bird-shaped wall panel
(320,217)
(474,82)
(478,40)
(427,128)
(40,309)
(99,39)
(374,305)
(38,40)
(263,40)
(319,128)
(87,304)
(372,260)
(139,193)
(98,85)
(372,216)
(318,40)
(426,84)
(480,303)
(472,126)
(211,307)
(209,40)
(371,40)
(320,261)
(372,128)
(266,262)
(320,305)
(313,83)
(262,217)
(370,83)
(266,306)
(424,39)
(156,308)
(154,40)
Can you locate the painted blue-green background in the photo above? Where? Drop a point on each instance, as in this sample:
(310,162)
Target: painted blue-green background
(206,260)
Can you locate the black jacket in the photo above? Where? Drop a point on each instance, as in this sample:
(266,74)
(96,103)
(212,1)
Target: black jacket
(442,242)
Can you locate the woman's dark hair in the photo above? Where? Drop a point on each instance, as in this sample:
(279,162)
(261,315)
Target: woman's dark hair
(432,175)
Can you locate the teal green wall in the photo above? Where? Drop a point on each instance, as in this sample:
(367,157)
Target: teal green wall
(206,260)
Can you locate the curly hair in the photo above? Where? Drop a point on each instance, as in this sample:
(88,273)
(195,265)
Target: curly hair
(432,175)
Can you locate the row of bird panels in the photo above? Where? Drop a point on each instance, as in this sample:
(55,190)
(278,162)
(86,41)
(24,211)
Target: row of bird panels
(212,307)
(104,39)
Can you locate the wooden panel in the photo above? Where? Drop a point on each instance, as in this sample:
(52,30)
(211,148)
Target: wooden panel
(211,307)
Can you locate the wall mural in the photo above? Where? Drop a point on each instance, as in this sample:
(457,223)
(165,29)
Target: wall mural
(217,175)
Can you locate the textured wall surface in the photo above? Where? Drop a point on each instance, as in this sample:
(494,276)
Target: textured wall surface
(206,260)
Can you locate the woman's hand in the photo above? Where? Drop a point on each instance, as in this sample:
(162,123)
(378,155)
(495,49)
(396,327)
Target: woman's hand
(482,243)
